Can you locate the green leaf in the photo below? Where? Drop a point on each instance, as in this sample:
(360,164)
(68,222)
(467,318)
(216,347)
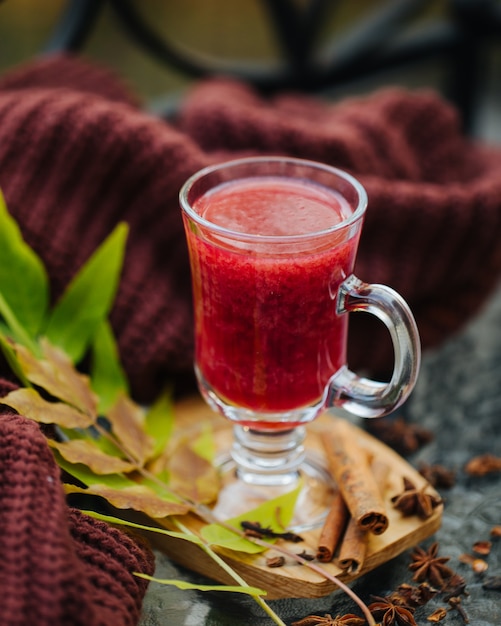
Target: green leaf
(185,536)
(204,445)
(265,514)
(159,422)
(110,519)
(16,330)
(108,378)
(88,298)
(181,584)
(23,278)
(11,358)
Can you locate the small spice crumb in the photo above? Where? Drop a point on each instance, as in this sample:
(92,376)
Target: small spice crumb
(437,616)
(275,561)
(483,548)
(483,465)
(496,532)
(413,596)
(306,556)
(479,566)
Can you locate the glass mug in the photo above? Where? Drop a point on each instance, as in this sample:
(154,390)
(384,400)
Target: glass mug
(272,244)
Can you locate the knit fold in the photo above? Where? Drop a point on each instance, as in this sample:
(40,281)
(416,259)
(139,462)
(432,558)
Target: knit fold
(78,154)
(59,567)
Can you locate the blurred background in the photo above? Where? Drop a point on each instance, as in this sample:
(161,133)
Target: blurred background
(336,47)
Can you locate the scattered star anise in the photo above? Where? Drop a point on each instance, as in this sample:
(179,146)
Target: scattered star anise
(414,501)
(438,476)
(389,613)
(427,565)
(400,435)
(327,620)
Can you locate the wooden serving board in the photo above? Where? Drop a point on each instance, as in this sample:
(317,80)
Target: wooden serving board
(293,579)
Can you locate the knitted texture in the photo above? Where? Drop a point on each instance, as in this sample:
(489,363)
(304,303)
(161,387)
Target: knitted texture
(77,156)
(434,217)
(74,164)
(59,567)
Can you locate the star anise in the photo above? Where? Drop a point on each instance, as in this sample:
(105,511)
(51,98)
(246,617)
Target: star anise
(400,435)
(438,476)
(414,501)
(327,620)
(427,565)
(389,613)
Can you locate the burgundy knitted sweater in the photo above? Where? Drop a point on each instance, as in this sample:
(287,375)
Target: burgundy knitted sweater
(58,567)
(77,155)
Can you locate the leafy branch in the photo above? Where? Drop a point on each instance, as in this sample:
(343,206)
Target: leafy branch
(115,448)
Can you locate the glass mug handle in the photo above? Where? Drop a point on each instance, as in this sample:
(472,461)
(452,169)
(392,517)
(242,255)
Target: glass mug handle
(361,396)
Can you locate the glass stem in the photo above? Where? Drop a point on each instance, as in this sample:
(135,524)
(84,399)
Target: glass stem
(268,457)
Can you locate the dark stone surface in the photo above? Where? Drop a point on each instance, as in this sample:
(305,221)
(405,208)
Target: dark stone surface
(458,397)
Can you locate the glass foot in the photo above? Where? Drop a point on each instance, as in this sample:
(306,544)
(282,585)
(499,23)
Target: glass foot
(238,496)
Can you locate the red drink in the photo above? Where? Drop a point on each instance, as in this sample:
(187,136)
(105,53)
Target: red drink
(268,337)
(272,244)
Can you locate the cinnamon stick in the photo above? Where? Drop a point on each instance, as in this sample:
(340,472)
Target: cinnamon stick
(350,466)
(353,548)
(332,529)
(355,541)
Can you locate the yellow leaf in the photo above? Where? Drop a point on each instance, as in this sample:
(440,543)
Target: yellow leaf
(128,423)
(191,475)
(138,497)
(86,452)
(29,403)
(57,375)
